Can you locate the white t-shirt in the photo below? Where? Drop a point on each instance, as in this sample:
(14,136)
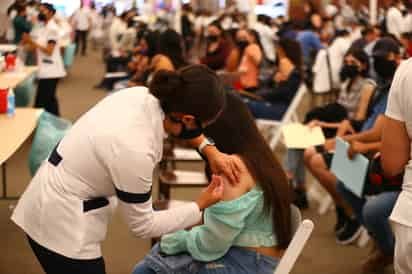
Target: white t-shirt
(267,37)
(110,152)
(395,22)
(50,66)
(400,108)
(81,19)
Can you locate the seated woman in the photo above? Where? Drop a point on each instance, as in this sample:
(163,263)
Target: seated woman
(250,229)
(251,57)
(217,48)
(351,106)
(353,100)
(274,102)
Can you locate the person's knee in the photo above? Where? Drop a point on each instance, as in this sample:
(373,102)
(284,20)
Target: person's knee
(308,154)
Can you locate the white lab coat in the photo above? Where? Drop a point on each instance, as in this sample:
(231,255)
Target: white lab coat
(111,151)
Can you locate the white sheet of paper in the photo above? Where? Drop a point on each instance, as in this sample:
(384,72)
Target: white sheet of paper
(350,172)
(300,136)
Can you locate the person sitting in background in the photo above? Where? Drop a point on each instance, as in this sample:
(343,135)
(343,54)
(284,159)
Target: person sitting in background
(250,60)
(274,101)
(352,104)
(233,60)
(217,48)
(369,35)
(169,55)
(253,220)
(386,59)
(20,23)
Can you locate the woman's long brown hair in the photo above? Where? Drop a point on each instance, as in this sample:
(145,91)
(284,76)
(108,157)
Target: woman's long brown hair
(235,132)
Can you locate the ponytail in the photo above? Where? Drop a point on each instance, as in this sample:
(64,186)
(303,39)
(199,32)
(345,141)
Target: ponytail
(194,90)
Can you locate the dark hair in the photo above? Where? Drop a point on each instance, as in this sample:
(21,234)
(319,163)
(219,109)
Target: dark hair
(171,45)
(217,25)
(20,8)
(194,90)
(152,40)
(49,7)
(362,57)
(246,141)
(293,52)
(367,30)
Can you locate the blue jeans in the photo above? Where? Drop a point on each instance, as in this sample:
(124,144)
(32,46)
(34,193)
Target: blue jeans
(236,261)
(266,110)
(374,214)
(295,164)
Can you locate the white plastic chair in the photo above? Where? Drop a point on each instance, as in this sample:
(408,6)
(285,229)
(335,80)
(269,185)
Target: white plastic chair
(289,117)
(302,231)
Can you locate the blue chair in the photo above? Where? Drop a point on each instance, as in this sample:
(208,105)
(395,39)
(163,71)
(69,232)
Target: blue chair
(24,92)
(69,53)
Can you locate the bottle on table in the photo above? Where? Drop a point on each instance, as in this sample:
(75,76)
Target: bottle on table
(11,103)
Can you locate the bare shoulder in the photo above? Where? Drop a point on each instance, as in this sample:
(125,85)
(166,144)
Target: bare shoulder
(245,184)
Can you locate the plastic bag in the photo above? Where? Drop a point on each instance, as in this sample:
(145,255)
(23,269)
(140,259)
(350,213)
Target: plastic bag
(50,130)
(25,92)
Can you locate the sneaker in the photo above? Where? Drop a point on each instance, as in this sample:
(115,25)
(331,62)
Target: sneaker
(340,220)
(351,231)
(376,262)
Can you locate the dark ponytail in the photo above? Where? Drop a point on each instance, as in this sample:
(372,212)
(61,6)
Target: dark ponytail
(194,90)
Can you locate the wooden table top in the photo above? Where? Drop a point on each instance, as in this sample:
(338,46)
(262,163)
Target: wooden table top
(15,130)
(13,79)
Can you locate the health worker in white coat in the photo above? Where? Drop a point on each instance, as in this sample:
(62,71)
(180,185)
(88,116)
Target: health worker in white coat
(112,150)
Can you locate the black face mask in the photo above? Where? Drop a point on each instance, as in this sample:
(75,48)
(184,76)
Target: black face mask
(242,44)
(212,38)
(41,17)
(349,72)
(384,68)
(186,133)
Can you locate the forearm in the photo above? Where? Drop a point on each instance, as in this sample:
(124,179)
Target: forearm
(146,223)
(368,136)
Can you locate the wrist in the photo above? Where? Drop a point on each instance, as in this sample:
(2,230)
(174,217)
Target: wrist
(200,204)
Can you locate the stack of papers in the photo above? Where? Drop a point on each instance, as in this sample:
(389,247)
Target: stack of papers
(186,154)
(352,173)
(299,136)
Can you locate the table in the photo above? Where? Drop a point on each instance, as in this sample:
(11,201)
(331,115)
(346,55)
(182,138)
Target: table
(14,131)
(7,47)
(13,79)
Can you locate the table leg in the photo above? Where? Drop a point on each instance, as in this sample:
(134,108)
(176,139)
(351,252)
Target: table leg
(4,181)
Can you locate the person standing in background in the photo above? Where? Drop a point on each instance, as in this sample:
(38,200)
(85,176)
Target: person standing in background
(82,22)
(50,61)
(20,23)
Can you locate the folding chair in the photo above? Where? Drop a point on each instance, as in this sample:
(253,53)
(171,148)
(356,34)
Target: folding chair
(289,117)
(302,231)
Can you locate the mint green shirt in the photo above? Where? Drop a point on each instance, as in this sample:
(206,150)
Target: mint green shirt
(239,222)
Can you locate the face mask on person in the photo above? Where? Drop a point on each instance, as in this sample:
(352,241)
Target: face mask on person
(186,133)
(349,72)
(212,38)
(41,17)
(384,68)
(242,44)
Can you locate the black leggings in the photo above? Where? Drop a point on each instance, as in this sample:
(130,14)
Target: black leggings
(53,263)
(46,95)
